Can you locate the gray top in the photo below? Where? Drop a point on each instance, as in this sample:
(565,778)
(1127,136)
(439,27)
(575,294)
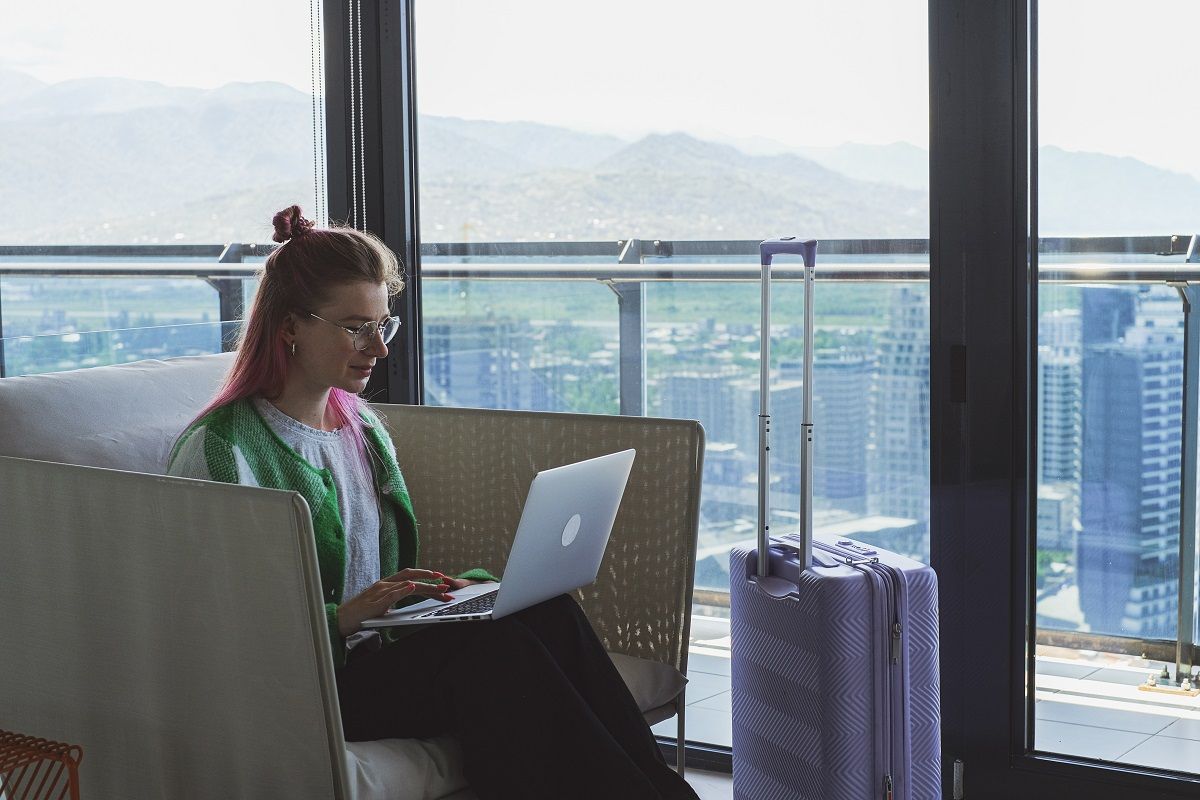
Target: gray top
(358,502)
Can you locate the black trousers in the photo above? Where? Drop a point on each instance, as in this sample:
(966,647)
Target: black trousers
(534,700)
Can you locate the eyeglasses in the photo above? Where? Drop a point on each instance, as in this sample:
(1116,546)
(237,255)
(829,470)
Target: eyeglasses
(363,333)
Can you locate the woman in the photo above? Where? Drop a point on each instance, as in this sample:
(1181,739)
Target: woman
(535,702)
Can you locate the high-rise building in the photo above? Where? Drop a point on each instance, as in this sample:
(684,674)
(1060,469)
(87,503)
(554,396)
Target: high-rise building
(1059,447)
(707,396)
(899,462)
(842,421)
(1061,329)
(1059,390)
(700,395)
(1059,396)
(787,410)
(478,363)
(1127,552)
(1055,517)
(1107,312)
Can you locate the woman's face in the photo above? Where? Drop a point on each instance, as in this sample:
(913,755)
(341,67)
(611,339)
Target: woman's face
(325,354)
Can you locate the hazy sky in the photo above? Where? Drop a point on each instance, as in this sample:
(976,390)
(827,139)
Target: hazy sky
(1118,78)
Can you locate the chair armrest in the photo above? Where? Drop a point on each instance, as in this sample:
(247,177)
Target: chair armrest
(172,628)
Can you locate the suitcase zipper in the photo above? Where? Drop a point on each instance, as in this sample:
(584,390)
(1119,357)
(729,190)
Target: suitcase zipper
(895,681)
(893,721)
(892,584)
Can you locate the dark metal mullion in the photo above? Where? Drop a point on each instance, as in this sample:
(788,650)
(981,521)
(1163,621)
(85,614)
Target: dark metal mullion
(976,467)
(947,420)
(396,141)
(375,214)
(388,153)
(338,158)
(980,478)
(1025,315)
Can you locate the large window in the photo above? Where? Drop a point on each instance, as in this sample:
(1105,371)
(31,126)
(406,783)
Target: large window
(593,185)
(141,139)
(1112,478)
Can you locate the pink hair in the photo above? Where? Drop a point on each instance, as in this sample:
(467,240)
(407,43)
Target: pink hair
(296,277)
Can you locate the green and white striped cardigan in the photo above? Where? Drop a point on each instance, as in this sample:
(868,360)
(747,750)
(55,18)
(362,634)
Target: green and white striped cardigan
(235,435)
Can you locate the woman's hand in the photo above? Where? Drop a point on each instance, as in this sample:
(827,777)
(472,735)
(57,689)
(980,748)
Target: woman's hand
(383,594)
(461,583)
(447,583)
(419,574)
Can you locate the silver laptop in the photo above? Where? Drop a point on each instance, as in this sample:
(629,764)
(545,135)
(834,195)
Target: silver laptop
(560,542)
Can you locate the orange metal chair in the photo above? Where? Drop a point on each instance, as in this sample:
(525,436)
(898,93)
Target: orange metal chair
(38,769)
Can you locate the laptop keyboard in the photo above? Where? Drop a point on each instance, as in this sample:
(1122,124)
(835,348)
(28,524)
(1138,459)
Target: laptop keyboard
(476,605)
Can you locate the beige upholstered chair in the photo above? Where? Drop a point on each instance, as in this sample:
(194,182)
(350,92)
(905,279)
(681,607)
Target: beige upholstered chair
(141,615)
(642,602)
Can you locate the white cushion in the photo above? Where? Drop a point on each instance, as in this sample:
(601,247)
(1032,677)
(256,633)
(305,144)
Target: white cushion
(119,417)
(400,769)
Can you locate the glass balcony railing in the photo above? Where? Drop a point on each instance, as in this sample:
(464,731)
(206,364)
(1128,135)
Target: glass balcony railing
(73,306)
(72,349)
(670,328)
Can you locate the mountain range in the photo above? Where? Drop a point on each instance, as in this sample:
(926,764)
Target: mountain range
(111,160)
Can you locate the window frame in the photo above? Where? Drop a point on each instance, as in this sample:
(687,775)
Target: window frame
(982,82)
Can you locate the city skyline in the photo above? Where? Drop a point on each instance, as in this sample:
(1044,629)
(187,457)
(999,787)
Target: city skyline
(870,405)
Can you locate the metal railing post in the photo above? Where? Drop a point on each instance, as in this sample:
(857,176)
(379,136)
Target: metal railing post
(1185,634)
(631,309)
(231,298)
(2,372)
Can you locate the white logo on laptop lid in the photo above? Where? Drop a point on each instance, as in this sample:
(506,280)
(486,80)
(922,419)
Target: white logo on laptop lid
(571,530)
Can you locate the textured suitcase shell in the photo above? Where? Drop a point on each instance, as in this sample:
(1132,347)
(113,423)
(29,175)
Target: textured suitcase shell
(817,703)
(835,667)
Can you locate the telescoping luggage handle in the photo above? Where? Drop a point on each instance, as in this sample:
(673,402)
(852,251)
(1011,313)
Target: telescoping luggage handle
(768,250)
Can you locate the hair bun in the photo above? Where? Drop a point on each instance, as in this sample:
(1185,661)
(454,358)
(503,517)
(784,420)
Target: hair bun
(289,224)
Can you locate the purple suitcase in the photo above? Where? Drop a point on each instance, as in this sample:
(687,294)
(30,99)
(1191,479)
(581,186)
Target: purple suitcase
(835,668)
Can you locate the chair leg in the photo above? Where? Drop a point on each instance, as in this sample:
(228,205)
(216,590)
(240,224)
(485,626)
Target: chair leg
(680,749)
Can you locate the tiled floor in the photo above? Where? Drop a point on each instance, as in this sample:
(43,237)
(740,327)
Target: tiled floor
(709,717)
(1097,711)
(711,785)
(1087,709)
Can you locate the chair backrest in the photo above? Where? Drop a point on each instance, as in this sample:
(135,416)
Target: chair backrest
(172,628)
(120,417)
(468,471)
